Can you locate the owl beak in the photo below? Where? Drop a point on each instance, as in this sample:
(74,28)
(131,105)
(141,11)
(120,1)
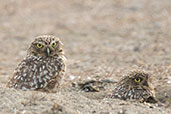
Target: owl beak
(48,51)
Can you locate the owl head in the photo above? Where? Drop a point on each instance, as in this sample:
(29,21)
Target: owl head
(139,78)
(136,85)
(46,45)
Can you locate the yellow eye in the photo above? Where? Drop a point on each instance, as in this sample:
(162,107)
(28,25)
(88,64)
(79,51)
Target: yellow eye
(54,44)
(39,45)
(137,80)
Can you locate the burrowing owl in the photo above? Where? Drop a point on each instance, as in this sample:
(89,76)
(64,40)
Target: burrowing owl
(42,68)
(135,86)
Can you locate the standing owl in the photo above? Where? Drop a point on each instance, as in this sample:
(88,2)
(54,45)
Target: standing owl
(42,68)
(135,86)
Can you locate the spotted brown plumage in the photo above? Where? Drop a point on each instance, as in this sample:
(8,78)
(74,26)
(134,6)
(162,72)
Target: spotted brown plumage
(42,68)
(135,86)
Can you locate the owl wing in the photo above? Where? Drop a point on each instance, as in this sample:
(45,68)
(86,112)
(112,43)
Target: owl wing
(58,68)
(38,73)
(22,74)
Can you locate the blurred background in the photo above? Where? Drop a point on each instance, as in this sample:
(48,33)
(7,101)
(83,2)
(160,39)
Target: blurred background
(102,38)
(99,36)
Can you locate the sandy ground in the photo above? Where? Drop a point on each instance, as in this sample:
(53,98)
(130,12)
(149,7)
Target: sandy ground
(103,39)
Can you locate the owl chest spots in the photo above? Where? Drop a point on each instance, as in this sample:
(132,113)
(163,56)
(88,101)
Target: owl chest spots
(45,67)
(40,71)
(127,92)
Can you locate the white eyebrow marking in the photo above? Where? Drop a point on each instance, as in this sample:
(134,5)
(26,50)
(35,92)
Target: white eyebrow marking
(52,42)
